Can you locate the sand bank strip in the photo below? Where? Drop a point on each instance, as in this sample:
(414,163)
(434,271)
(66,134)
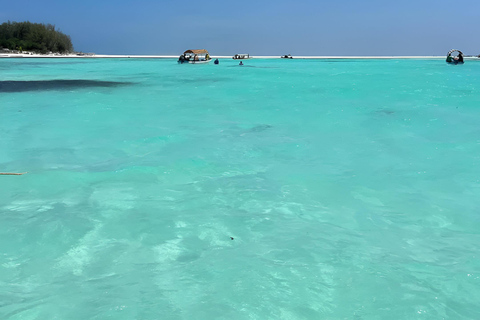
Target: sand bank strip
(100,56)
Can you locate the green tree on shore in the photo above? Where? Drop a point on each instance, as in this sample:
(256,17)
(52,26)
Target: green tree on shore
(35,37)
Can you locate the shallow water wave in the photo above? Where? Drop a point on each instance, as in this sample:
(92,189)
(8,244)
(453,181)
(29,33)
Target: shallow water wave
(294,190)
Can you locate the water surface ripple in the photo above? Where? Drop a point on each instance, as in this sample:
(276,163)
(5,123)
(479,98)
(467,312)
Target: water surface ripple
(279,190)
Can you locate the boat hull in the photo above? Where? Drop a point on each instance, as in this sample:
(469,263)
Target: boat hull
(195,62)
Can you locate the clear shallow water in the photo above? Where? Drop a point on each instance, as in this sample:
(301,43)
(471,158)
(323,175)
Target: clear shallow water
(351,189)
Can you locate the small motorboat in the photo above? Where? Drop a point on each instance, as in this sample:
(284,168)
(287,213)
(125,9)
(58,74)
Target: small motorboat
(242,56)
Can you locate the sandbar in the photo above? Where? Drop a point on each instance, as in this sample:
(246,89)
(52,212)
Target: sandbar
(123,56)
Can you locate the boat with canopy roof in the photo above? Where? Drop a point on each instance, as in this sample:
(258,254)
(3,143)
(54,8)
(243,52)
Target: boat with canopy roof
(458,59)
(195,56)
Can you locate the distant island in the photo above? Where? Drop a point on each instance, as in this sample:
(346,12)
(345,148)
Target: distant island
(33,37)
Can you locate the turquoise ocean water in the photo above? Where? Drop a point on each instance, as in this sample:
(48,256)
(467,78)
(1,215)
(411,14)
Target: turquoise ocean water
(351,189)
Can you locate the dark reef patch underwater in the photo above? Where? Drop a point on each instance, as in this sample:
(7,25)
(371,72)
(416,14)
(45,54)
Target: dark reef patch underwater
(40,85)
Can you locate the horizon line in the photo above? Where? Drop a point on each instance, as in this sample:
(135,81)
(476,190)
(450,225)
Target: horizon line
(160,56)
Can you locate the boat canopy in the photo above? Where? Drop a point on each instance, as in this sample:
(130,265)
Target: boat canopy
(197,51)
(453,50)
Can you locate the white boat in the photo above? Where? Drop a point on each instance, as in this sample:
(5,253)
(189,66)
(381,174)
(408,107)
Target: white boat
(195,57)
(241,56)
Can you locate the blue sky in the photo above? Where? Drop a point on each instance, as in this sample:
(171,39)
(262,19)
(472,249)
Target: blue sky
(303,27)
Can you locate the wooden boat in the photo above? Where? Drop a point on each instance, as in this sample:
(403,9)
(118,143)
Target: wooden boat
(287,56)
(198,56)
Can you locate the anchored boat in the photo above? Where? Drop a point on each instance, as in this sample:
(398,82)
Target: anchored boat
(195,56)
(242,56)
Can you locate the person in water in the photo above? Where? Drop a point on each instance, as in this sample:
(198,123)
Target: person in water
(459,58)
(449,57)
(241,63)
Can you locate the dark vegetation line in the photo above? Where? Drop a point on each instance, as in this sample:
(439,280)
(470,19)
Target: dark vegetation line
(36,37)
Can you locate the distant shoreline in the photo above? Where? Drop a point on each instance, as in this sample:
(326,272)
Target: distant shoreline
(103,56)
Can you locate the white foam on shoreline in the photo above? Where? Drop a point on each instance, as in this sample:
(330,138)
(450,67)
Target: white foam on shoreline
(95,56)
